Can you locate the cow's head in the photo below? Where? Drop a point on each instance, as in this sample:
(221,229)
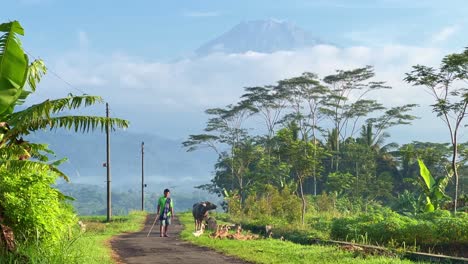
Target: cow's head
(209,206)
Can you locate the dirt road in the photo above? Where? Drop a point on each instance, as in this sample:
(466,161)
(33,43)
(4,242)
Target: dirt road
(137,248)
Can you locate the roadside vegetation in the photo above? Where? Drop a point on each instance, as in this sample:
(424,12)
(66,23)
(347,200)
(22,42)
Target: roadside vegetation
(37,222)
(81,246)
(277,251)
(323,165)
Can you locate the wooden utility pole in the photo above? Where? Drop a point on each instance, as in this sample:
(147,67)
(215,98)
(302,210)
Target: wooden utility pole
(109,202)
(142,176)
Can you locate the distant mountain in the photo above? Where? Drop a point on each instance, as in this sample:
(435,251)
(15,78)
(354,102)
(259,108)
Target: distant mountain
(261,36)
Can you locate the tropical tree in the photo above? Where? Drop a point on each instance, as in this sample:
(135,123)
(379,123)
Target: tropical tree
(268,102)
(299,155)
(306,96)
(447,85)
(224,130)
(346,103)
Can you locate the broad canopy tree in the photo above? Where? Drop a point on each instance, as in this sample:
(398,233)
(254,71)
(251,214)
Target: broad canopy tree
(447,85)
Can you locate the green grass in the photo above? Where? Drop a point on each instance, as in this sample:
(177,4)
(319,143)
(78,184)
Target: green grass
(83,248)
(277,251)
(95,240)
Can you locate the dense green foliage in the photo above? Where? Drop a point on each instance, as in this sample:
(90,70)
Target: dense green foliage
(90,246)
(268,206)
(386,226)
(328,136)
(32,208)
(32,211)
(322,166)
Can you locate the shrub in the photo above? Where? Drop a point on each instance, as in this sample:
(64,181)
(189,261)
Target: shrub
(452,229)
(34,209)
(272,206)
(385,226)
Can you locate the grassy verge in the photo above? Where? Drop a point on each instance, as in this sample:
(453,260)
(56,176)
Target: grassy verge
(95,240)
(277,251)
(88,247)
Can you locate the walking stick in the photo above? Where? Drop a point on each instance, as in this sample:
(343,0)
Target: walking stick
(155,219)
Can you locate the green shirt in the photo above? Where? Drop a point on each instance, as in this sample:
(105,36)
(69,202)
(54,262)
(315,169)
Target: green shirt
(162,204)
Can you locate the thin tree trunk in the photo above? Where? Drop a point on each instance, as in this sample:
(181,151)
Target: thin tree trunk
(455,173)
(315,185)
(337,149)
(315,165)
(303,202)
(357,180)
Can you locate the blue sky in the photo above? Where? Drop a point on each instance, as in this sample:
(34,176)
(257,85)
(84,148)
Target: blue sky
(130,51)
(168,29)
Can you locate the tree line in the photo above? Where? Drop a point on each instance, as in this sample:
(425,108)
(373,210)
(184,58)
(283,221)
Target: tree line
(316,135)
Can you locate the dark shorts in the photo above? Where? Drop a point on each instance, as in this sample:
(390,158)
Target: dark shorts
(165,222)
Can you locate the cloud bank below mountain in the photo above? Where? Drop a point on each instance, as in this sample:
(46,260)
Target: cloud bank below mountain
(169,98)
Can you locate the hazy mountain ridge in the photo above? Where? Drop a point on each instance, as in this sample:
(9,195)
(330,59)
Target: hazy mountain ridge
(260,36)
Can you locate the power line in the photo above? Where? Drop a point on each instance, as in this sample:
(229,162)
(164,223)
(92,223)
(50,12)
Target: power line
(58,76)
(68,83)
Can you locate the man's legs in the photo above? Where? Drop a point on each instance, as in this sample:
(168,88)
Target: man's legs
(168,223)
(162,223)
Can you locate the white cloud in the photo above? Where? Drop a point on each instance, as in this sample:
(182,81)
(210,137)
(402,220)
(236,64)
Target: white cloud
(445,33)
(201,14)
(169,92)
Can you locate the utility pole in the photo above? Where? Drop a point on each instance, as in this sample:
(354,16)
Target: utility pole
(109,202)
(142,176)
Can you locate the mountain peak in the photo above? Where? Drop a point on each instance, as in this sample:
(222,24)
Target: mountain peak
(264,36)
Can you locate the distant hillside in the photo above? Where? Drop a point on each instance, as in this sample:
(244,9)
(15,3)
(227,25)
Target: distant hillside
(91,199)
(166,162)
(261,36)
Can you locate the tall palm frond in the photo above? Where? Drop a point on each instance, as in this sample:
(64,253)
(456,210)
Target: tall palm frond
(75,123)
(44,115)
(48,108)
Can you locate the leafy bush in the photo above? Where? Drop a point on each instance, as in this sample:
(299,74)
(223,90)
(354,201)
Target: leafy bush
(34,209)
(272,206)
(385,226)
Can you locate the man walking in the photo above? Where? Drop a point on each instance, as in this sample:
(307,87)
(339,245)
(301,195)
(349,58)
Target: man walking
(165,212)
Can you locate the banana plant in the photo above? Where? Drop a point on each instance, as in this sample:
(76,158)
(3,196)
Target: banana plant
(19,78)
(434,189)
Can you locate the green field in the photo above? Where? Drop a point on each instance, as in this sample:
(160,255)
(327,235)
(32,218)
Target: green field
(277,251)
